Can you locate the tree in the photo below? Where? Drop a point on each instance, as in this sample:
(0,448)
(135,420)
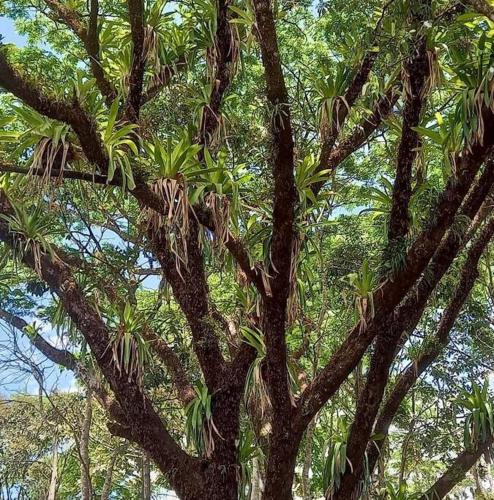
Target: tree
(41,450)
(210,144)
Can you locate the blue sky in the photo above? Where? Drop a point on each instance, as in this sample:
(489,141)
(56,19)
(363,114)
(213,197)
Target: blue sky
(15,378)
(9,33)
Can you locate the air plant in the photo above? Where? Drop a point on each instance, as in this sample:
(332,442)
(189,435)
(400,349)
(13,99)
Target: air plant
(175,162)
(247,452)
(255,387)
(129,349)
(222,192)
(381,199)
(307,173)
(335,459)
(155,32)
(244,19)
(200,426)
(363,284)
(118,141)
(479,423)
(48,141)
(330,90)
(477,84)
(34,229)
(293,297)
(398,493)
(446,135)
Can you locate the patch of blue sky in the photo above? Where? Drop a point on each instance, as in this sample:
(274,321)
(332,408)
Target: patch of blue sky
(9,32)
(18,357)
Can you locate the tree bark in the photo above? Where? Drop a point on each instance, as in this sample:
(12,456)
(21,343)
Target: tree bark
(430,353)
(52,491)
(456,471)
(86,488)
(146,477)
(107,485)
(309,435)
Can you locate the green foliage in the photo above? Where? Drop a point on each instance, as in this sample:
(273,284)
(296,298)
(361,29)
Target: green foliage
(118,142)
(336,461)
(479,424)
(130,350)
(201,431)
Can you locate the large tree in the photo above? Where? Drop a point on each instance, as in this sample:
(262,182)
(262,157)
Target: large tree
(191,194)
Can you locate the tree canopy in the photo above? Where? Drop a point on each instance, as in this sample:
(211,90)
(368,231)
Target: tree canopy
(258,234)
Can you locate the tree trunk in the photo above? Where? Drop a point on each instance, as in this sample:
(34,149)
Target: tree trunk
(281,468)
(309,435)
(146,477)
(86,489)
(106,490)
(52,491)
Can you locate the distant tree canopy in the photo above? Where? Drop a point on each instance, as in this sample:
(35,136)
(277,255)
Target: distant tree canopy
(261,233)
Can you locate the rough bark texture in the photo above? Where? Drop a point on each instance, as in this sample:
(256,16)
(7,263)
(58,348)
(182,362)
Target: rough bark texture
(405,318)
(281,457)
(431,351)
(457,470)
(86,487)
(52,490)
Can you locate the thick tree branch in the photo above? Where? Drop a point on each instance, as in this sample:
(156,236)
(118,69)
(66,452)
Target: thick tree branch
(70,113)
(136,77)
(282,250)
(236,248)
(71,18)
(191,292)
(457,470)
(391,292)
(142,422)
(91,42)
(434,348)
(221,56)
(406,317)
(85,128)
(415,76)
(330,129)
(174,365)
(163,79)
(284,200)
(225,381)
(381,110)
(416,73)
